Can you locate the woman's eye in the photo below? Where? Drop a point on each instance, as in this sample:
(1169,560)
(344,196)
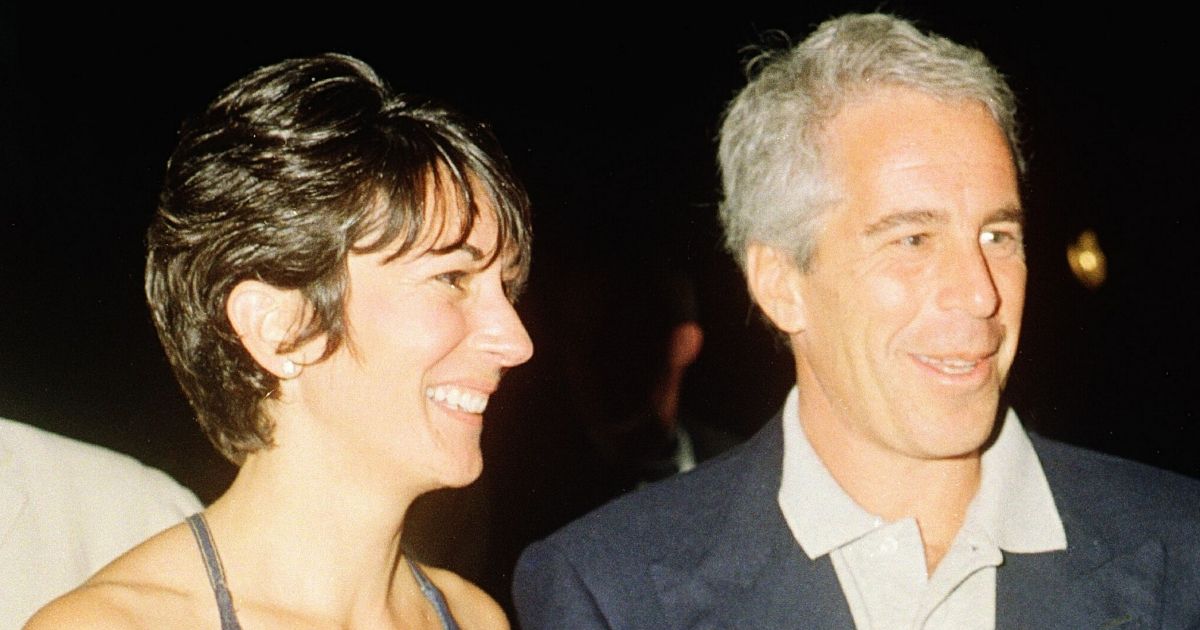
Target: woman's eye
(455,279)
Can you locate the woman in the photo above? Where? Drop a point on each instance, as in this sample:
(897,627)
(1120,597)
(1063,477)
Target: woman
(331,272)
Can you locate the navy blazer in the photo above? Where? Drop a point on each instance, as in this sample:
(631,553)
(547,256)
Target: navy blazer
(710,549)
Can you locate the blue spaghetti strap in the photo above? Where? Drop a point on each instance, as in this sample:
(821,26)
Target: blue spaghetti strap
(432,594)
(216,578)
(216,573)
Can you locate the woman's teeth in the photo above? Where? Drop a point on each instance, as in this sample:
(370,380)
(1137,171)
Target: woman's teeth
(461,399)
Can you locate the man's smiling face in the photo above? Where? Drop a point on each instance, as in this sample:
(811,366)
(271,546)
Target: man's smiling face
(912,307)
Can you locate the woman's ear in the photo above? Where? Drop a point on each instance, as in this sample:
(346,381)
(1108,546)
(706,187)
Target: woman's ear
(265,318)
(774,282)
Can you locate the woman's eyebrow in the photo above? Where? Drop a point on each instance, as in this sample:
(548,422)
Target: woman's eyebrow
(475,252)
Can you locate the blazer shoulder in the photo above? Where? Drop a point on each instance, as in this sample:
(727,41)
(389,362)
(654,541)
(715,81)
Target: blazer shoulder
(600,571)
(1085,477)
(1104,497)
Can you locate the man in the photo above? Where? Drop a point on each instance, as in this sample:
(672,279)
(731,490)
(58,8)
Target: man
(69,508)
(871,197)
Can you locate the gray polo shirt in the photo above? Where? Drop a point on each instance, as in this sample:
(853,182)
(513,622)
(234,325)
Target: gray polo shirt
(881,566)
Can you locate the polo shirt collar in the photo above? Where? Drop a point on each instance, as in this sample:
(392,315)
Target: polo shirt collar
(1013,507)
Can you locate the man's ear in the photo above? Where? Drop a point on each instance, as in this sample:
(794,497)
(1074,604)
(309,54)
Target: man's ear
(265,317)
(774,282)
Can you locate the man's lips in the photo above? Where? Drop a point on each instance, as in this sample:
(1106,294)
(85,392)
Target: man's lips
(955,364)
(948,366)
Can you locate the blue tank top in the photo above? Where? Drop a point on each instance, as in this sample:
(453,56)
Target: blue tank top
(216,578)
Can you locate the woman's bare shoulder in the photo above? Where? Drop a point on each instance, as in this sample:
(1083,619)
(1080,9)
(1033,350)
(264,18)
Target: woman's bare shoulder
(470,605)
(154,585)
(89,606)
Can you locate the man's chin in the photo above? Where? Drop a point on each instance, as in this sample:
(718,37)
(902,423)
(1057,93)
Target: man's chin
(963,434)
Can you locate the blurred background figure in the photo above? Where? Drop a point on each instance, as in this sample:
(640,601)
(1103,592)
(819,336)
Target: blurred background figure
(67,509)
(638,334)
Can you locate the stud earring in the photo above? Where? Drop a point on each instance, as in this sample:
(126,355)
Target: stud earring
(290,369)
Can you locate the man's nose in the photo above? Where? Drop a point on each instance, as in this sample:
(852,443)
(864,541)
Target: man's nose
(967,283)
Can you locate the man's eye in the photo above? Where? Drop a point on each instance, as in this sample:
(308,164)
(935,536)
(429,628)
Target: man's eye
(1001,238)
(993,237)
(914,240)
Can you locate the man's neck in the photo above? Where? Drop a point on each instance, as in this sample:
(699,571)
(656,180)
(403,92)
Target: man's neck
(936,492)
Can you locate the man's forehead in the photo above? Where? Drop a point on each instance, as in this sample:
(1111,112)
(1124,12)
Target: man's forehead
(914,151)
(901,121)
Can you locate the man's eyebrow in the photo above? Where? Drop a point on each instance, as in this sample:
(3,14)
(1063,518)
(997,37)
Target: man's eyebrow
(1004,215)
(909,217)
(929,217)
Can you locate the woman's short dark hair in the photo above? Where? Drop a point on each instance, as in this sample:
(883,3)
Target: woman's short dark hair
(290,170)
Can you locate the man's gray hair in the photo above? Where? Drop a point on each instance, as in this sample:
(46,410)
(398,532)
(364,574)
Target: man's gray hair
(775,185)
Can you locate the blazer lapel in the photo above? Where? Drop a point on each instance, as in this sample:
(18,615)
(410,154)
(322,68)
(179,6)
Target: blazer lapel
(751,572)
(1102,580)
(1083,587)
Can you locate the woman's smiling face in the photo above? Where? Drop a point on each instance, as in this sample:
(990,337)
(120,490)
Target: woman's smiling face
(429,334)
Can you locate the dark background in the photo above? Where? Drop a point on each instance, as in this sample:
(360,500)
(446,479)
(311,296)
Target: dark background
(609,116)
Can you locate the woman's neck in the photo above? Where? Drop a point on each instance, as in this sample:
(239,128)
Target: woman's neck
(316,535)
